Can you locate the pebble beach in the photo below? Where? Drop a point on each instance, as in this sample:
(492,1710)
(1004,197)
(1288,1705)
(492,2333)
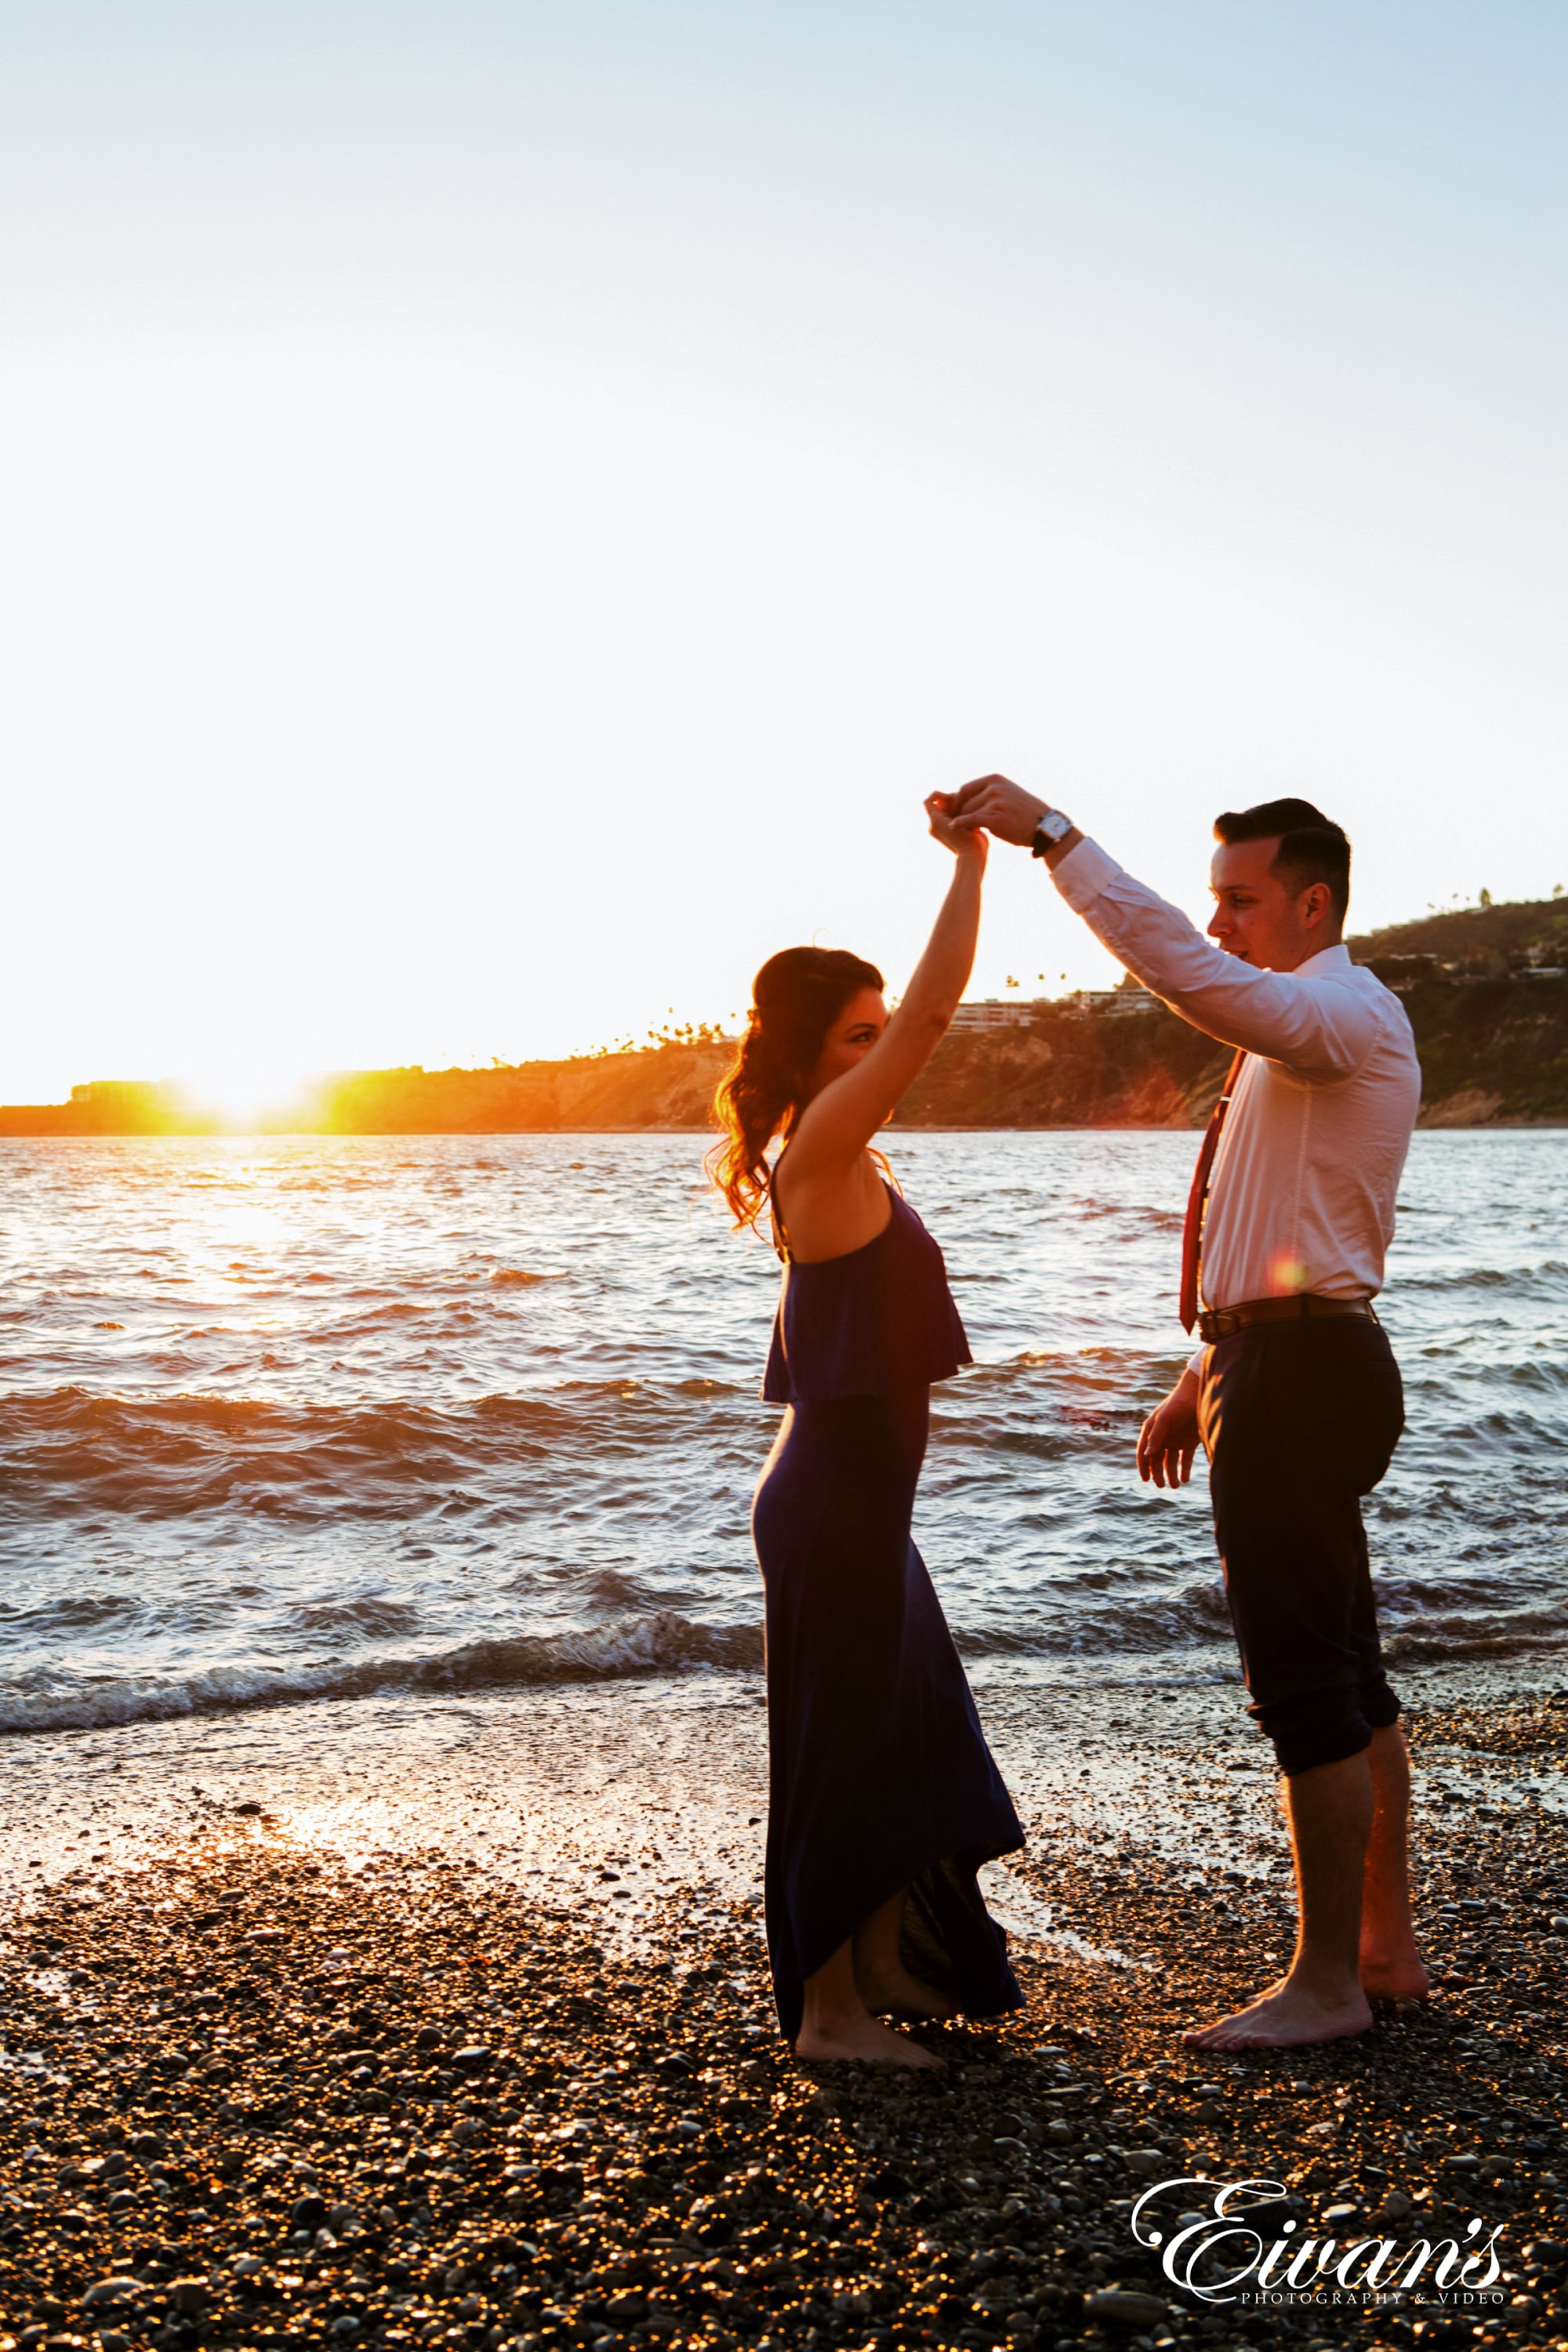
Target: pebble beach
(456,2030)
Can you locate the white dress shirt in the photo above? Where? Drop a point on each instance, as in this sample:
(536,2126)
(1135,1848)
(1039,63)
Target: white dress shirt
(1304,1181)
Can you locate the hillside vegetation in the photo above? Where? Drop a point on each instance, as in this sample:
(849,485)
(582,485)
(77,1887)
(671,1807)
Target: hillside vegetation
(1468,935)
(1483,985)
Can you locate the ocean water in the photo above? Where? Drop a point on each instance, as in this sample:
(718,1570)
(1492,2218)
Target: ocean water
(296,1417)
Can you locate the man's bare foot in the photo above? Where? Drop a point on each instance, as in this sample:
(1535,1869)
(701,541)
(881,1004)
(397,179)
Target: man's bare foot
(1395,1976)
(1282,2019)
(864,2038)
(894,1991)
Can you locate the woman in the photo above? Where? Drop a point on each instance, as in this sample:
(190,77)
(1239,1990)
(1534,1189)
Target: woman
(884,1798)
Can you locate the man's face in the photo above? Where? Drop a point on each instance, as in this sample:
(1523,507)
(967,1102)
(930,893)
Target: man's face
(1258,917)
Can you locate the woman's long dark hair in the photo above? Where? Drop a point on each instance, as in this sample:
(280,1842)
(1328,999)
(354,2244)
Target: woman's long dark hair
(797,997)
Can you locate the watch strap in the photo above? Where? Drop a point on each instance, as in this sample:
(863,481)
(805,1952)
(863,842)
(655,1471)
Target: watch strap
(1052,828)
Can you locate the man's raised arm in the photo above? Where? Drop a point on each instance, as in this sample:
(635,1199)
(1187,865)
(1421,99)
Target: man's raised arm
(1321,1031)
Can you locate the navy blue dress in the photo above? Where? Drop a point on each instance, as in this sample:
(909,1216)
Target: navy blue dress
(879,1774)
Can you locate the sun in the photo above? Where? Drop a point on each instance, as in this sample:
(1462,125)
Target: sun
(245,1093)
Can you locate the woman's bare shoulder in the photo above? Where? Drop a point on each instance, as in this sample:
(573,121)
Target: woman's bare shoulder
(827,1214)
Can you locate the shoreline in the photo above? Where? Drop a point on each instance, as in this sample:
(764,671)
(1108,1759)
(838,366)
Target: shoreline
(484,1977)
(524,1779)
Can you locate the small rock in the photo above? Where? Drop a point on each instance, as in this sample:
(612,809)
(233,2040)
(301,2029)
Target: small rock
(1208,2111)
(249,1807)
(1268,2216)
(308,2213)
(475,2055)
(248,2265)
(1125,2305)
(1147,2161)
(191,2295)
(109,2339)
(1337,2213)
(110,2290)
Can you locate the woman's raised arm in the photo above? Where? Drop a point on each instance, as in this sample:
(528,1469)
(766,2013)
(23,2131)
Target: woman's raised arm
(837,1124)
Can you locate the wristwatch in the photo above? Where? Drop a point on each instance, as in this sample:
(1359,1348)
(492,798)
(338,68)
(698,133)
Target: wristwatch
(1052,828)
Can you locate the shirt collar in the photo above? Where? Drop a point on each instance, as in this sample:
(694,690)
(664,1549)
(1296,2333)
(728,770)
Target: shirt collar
(1327,958)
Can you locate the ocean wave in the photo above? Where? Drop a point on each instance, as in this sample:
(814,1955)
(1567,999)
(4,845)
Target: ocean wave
(55,1699)
(70,1454)
(1432,1637)
(1528,1281)
(1105,1622)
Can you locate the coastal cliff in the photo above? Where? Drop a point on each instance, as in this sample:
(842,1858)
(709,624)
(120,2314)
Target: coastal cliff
(1486,988)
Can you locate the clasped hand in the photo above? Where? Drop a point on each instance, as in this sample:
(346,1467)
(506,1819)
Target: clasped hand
(965,841)
(1000,805)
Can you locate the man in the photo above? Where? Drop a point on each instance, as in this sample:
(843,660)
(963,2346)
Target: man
(1295,1395)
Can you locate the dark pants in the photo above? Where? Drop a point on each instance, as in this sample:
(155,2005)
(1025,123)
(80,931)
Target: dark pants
(1300,1420)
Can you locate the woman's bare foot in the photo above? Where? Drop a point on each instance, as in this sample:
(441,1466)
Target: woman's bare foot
(866,2038)
(893,1991)
(1284,2017)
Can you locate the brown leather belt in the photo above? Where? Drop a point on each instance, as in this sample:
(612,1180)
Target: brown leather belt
(1221,1322)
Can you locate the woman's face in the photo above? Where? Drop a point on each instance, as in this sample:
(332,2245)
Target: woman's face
(851,1037)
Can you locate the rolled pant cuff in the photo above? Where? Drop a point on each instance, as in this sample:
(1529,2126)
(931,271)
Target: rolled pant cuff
(1305,1751)
(1323,1735)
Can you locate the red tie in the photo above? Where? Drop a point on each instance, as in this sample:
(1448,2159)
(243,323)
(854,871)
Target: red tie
(1192,1232)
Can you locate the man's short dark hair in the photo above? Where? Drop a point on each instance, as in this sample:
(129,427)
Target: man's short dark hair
(1312,847)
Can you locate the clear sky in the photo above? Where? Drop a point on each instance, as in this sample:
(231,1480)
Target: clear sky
(509,504)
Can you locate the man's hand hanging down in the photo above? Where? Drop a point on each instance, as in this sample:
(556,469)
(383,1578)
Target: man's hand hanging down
(1003,807)
(1169,1438)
